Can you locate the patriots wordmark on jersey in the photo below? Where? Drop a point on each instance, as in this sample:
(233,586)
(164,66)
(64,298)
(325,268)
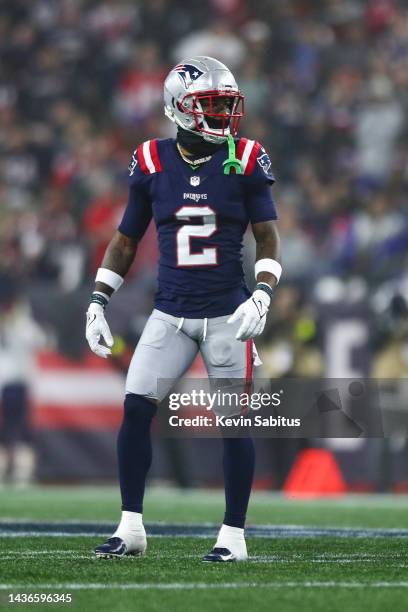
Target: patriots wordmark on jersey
(201,215)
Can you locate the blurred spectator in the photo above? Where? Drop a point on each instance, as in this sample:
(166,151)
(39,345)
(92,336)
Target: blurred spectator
(290,344)
(391,305)
(376,241)
(218,40)
(101,219)
(378,125)
(20,338)
(140,89)
(298,252)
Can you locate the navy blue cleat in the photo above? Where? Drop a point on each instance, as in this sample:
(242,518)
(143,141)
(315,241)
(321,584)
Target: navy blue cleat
(219,555)
(114,548)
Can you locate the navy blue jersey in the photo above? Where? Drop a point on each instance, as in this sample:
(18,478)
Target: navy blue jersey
(201,216)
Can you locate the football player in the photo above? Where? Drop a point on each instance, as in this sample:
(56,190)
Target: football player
(202,189)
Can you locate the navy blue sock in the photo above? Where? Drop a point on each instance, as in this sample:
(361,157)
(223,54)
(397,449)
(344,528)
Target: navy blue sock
(239,465)
(135,450)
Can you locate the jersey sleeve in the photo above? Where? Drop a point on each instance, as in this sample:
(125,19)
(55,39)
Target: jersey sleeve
(258,178)
(138,212)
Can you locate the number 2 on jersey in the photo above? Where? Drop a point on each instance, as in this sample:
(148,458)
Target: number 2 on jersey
(208,255)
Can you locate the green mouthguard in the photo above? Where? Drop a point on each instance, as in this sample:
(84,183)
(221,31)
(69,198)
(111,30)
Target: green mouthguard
(232,161)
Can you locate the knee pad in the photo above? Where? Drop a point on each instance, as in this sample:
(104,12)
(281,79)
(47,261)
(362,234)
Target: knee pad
(139,407)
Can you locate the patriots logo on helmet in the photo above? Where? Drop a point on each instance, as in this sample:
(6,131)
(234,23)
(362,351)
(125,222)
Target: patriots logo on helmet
(264,161)
(188,73)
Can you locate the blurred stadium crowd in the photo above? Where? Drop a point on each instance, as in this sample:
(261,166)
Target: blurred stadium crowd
(326,93)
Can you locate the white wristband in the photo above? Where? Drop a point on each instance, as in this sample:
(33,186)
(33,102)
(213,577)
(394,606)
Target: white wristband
(108,277)
(268,265)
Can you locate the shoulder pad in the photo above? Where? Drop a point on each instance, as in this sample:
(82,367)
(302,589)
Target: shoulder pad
(254,158)
(247,152)
(148,157)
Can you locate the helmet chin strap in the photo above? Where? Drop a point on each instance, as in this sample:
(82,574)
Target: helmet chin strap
(195,144)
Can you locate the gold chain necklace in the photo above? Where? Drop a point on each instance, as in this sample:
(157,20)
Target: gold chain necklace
(194,162)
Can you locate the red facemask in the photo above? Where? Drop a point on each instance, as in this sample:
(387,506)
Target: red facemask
(214,111)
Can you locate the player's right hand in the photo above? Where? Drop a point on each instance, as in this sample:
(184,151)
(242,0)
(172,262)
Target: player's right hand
(97,327)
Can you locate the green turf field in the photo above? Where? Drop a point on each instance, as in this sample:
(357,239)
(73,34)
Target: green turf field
(289,569)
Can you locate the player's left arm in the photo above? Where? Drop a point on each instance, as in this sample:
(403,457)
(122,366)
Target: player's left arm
(262,214)
(267,272)
(267,247)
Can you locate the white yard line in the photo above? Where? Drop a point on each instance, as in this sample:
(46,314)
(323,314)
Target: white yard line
(12,557)
(78,586)
(54,551)
(50,534)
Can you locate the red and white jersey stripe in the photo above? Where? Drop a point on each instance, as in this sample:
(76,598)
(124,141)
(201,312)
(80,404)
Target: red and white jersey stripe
(247,152)
(148,157)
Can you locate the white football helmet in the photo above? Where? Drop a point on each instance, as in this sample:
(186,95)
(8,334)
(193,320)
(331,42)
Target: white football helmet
(202,96)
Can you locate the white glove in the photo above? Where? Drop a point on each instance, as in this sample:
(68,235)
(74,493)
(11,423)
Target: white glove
(96,326)
(253,314)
